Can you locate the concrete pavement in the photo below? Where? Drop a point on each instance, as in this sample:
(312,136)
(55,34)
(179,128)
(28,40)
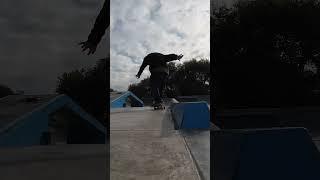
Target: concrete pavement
(65,162)
(145,146)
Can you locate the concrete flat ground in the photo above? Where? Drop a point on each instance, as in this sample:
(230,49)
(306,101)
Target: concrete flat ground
(140,119)
(145,146)
(79,162)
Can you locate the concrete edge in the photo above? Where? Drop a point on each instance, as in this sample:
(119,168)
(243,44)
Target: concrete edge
(196,166)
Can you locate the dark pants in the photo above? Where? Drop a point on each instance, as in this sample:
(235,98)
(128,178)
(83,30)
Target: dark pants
(157,81)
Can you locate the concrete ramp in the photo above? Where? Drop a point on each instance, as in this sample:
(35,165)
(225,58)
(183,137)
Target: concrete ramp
(282,153)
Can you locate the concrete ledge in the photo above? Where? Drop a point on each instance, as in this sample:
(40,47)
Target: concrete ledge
(191,115)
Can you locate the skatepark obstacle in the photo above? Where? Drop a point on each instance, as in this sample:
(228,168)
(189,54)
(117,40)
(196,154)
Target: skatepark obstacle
(191,115)
(275,153)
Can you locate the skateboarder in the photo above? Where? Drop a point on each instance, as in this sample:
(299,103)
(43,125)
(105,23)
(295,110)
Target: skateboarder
(101,24)
(159,71)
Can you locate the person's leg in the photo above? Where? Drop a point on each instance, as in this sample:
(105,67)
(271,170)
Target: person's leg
(155,86)
(162,85)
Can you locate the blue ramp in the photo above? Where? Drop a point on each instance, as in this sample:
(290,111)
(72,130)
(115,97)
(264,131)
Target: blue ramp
(277,154)
(33,121)
(121,99)
(191,115)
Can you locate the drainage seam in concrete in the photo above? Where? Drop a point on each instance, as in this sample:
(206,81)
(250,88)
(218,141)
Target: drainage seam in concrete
(199,173)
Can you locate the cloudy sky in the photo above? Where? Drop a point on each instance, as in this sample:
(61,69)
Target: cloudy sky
(38,41)
(139,27)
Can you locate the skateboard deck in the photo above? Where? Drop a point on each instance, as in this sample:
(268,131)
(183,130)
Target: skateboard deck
(159,107)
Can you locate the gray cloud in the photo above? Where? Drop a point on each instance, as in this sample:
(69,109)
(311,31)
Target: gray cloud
(139,27)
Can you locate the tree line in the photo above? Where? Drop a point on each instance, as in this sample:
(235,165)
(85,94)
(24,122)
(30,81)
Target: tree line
(266,53)
(89,88)
(188,78)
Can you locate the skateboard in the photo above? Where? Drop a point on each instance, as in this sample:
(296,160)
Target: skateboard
(159,107)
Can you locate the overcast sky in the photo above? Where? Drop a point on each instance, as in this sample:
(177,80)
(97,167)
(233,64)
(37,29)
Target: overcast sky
(139,27)
(38,41)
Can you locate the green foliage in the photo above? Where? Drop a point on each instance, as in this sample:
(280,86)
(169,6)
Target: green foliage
(141,89)
(88,88)
(190,78)
(260,50)
(5,91)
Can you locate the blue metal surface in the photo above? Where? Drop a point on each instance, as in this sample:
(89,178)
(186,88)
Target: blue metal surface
(27,130)
(277,153)
(121,100)
(191,115)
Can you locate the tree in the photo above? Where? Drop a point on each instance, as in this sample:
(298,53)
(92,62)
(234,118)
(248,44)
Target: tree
(88,88)
(190,78)
(5,91)
(141,89)
(261,49)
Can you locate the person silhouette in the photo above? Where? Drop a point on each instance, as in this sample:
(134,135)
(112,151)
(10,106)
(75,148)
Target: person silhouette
(101,24)
(159,72)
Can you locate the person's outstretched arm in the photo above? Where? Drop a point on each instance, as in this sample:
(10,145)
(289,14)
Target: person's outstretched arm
(172,57)
(101,24)
(142,67)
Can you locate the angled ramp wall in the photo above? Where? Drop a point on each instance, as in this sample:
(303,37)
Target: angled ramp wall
(191,115)
(27,129)
(122,99)
(282,153)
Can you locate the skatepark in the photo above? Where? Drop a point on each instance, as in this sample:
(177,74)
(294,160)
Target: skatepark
(173,144)
(34,145)
(144,144)
(148,144)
